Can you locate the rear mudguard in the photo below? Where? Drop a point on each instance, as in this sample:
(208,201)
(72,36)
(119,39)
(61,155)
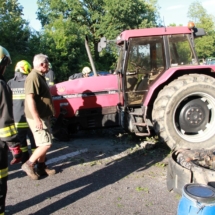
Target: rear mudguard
(165,76)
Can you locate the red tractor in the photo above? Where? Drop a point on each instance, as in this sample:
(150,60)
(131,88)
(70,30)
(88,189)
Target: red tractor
(158,85)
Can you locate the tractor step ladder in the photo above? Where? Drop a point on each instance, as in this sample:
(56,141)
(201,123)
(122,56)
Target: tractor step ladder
(140,124)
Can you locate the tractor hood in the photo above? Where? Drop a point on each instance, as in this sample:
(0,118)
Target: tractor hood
(85,93)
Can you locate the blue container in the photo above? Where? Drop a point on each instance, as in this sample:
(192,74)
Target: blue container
(197,199)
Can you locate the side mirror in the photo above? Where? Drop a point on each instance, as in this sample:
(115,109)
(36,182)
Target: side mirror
(199,32)
(102,44)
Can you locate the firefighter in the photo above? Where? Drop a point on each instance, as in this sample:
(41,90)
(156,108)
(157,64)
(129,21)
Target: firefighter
(22,69)
(50,77)
(8,132)
(84,74)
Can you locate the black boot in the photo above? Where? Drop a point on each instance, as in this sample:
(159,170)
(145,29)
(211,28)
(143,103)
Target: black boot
(42,169)
(25,157)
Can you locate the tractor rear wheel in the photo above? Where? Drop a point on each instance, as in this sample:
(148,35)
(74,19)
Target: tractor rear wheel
(184,112)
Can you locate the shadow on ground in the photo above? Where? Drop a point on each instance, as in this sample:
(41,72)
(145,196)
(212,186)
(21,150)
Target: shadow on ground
(134,158)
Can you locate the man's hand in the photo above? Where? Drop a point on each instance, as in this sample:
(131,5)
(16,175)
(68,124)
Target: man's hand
(17,154)
(39,124)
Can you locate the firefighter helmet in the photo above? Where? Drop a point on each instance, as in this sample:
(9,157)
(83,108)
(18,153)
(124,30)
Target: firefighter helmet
(23,67)
(4,57)
(86,70)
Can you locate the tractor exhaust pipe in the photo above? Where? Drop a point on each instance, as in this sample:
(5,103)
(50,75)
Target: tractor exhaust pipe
(90,56)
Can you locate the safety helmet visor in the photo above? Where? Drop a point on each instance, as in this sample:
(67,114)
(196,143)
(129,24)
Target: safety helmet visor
(4,57)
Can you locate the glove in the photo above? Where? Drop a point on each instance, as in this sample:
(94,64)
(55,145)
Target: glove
(17,154)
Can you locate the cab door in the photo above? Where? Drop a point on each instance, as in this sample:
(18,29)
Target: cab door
(145,61)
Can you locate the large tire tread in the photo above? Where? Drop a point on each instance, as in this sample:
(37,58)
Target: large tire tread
(163,98)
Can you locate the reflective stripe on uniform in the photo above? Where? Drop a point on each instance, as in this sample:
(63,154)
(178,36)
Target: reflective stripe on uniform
(21,125)
(3,173)
(24,149)
(51,83)
(18,96)
(8,131)
(32,150)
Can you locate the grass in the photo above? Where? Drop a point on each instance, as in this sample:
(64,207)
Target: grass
(140,189)
(160,164)
(178,197)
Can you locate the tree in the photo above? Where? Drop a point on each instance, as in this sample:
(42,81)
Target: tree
(66,23)
(198,14)
(14,31)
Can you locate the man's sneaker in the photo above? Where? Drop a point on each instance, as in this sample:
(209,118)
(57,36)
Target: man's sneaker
(29,169)
(42,169)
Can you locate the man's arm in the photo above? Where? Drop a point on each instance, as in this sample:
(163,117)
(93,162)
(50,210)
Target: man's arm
(34,112)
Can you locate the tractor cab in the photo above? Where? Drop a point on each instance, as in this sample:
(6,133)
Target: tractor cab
(143,59)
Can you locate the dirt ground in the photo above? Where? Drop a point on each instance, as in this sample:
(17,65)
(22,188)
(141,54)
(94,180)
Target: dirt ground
(113,174)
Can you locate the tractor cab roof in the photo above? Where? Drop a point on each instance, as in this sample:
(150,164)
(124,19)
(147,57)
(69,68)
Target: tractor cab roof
(127,34)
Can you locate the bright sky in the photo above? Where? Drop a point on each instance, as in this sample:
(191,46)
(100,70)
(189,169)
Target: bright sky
(29,10)
(172,11)
(175,11)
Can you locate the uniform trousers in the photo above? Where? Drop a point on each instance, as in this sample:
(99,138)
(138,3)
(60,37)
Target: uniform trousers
(23,133)
(3,174)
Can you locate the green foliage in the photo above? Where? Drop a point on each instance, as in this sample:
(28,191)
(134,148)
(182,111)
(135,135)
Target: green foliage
(122,15)
(204,45)
(15,33)
(66,23)
(65,49)
(13,28)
